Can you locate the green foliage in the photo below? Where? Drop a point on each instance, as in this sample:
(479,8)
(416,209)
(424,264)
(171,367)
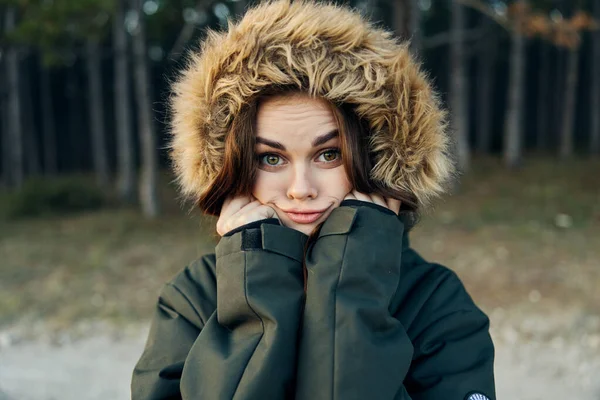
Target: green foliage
(58,25)
(43,197)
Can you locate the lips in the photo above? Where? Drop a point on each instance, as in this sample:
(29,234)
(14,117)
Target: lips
(305,216)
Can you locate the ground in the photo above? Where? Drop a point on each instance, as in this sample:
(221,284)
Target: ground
(76,292)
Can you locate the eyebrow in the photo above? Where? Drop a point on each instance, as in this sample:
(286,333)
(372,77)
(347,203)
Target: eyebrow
(319,140)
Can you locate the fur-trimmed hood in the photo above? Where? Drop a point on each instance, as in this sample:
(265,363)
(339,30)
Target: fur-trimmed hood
(328,51)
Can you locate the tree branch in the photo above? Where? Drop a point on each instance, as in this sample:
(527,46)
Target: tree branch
(484,9)
(444,38)
(187,32)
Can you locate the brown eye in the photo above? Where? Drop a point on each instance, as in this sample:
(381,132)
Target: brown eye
(329,155)
(271,160)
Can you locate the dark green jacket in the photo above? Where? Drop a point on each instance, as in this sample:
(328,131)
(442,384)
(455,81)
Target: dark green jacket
(376,321)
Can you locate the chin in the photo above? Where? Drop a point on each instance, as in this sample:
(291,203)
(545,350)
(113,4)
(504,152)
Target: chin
(307,229)
(304,228)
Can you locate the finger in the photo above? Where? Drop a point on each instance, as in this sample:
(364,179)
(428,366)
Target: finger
(223,214)
(274,213)
(394,204)
(233,205)
(247,208)
(240,202)
(239,218)
(255,214)
(252,212)
(225,206)
(226,202)
(379,200)
(264,212)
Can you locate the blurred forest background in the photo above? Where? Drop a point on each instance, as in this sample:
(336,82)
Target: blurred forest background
(91,224)
(84,83)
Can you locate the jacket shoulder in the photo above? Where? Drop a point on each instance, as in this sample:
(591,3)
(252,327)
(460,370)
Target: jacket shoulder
(192,292)
(429,292)
(453,350)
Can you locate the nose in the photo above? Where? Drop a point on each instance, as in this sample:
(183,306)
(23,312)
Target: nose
(302,185)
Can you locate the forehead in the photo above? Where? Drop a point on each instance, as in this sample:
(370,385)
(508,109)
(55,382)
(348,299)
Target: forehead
(294,117)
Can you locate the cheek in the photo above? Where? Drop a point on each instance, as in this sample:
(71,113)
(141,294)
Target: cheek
(336,184)
(266,186)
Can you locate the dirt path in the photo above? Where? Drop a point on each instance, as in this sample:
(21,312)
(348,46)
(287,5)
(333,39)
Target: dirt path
(99,367)
(95,368)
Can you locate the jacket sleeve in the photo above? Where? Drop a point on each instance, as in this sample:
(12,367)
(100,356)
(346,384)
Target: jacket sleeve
(454,353)
(181,312)
(354,346)
(246,349)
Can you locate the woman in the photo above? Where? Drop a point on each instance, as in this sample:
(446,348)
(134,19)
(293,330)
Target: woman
(316,139)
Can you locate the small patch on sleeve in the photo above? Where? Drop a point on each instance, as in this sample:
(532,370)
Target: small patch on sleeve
(251,239)
(476,396)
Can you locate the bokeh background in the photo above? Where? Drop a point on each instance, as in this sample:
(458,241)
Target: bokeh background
(91,224)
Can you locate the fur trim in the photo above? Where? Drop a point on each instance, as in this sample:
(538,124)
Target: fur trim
(328,51)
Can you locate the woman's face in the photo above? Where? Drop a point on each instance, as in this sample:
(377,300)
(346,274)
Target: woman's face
(300,170)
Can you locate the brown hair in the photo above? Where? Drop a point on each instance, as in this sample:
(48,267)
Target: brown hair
(239,163)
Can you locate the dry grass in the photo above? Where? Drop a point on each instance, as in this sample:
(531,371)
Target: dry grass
(107,264)
(501,232)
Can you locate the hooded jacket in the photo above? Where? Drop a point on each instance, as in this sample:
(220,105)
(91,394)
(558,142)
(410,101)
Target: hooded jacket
(376,320)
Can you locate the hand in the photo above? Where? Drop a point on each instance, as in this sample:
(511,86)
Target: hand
(389,203)
(242,210)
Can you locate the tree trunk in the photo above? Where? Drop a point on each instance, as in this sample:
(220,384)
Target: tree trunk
(96,110)
(514,110)
(415,26)
(567,128)
(543,105)
(125,155)
(485,88)
(399,19)
(48,123)
(406,20)
(189,27)
(15,129)
(5,178)
(32,148)
(149,153)
(595,92)
(458,91)
(558,99)
(76,159)
(239,7)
